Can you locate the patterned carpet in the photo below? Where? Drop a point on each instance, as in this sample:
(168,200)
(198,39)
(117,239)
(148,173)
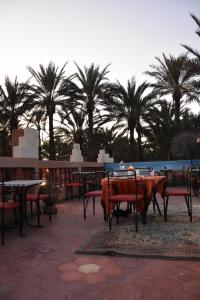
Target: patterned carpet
(176,239)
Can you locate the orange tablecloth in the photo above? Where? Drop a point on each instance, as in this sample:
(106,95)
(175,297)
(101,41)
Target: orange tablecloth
(126,186)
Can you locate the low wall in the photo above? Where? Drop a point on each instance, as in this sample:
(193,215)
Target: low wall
(157,165)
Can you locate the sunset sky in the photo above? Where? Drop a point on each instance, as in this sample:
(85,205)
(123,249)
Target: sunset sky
(128,34)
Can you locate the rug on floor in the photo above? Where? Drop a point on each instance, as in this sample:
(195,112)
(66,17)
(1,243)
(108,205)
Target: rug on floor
(176,239)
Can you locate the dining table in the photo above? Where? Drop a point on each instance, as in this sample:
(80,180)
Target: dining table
(21,187)
(152,184)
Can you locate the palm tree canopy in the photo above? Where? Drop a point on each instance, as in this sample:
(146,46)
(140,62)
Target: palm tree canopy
(50,85)
(195,52)
(93,83)
(50,82)
(174,76)
(15,100)
(128,104)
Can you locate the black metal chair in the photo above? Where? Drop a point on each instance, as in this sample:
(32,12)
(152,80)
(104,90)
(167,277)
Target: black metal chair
(8,202)
(185,192)
(147,171)
(144,171)
(74,181)
(93,182)
(195,178)
(47,193)
(116,198)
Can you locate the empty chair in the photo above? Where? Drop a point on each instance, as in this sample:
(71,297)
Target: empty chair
(185,192)
(147,171)
(46,194)
(195,179)
(74,182)
(178,177)
(7,203)
(130,195)
(94,186)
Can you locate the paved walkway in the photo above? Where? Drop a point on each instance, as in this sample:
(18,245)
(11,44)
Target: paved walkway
(43,266)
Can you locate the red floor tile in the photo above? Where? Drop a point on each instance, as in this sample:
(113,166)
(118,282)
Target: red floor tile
(43,266)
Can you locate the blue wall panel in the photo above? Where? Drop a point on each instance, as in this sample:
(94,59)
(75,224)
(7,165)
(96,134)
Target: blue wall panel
(157,165)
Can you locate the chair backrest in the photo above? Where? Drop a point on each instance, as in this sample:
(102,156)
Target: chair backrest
(2,191)
(157,173)
(119,174)
(6,193)
(73,175)
(126,174)
(51,189)
(92,179)
(144,171)
(98,176)
(193,175)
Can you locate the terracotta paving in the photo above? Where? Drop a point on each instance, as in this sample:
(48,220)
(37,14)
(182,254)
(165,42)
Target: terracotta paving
(42,266)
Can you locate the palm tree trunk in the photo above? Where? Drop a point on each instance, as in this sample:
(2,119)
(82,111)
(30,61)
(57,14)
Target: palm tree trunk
(39,143)
(13,124)
(5,147)
(132,144)
(52,154)
(177,105)
(141,156)
(90,131)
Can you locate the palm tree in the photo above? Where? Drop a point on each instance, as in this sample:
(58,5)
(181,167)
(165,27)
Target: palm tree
(195,63)
(174,76)
(190,49)
(127,106)
(73,121)
(48,94)
(15,101)
(93,83)
(161,129)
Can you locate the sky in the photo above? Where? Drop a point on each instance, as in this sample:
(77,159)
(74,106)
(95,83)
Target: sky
(128,34)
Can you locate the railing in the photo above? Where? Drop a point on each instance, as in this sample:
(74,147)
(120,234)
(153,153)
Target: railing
(28,168)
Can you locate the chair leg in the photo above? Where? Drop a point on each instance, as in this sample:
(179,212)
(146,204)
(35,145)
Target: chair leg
(156,205)
(38,211)
(110,221)
(79,193)
(31,208)
(85,205)
(136,221)
(105,216)
(109,218)
(165,205)
(187,204)
(188,200)
(117,215)
(15,216)
(2,227)
(129,208)
(93,204)
(50,213)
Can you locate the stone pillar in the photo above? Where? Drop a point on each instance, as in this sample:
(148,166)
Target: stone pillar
(25,143)
(76,155)
(104,157)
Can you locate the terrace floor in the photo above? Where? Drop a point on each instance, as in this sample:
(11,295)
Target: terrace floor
(42,266)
